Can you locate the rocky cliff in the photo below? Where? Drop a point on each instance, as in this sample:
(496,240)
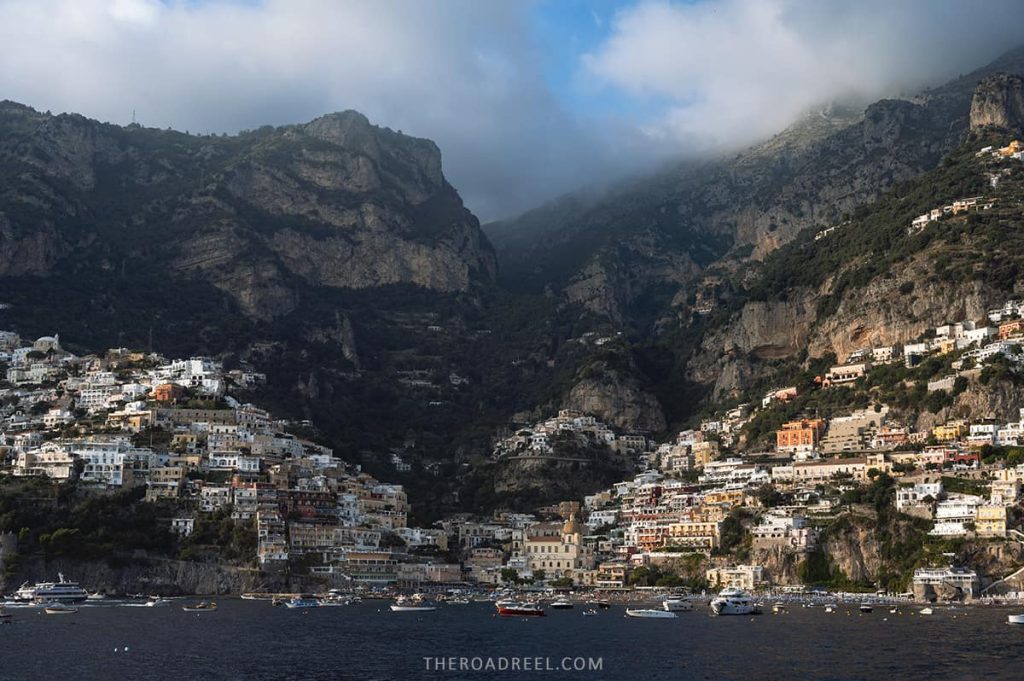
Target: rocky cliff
(261,216)
(999,101)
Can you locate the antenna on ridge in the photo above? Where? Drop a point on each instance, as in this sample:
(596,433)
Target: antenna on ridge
(133,116)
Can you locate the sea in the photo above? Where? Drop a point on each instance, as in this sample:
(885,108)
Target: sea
(254,641)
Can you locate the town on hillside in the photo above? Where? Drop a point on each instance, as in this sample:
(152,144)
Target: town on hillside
(705,509)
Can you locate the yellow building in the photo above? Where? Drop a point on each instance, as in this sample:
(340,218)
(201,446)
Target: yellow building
(701,536)
(730,497)
(558,553)
(1011,148)
(991,521)
(949,431)
(703,453)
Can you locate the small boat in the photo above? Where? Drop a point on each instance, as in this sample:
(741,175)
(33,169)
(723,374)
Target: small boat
(830,608)
(779,608)
(302,603)
(676,605)
(514,609)
(203,606)
(603,604)
(562,604)
(926,611)
(894,610)
(866,608)
(589,613)
(1015,619)
(59,608)
(414,604)
(96,596)
(649,613)
(155,602)
(458,601)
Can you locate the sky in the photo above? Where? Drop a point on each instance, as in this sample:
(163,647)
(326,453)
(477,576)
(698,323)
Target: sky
(527,99)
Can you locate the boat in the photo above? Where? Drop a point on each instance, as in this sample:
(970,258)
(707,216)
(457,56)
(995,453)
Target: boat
(562,604)
(414,604)
(650,613)
(866,608)
(97,596)
(302,603)
(202,606)
(155,602)
(458,601)
(830,608)
(603,604)
(733,601)
(926,611)
(779,608)
(676,605)
(1015,619)
(590,612)
(61,591)
(58,608)
(894,610)
(515,609)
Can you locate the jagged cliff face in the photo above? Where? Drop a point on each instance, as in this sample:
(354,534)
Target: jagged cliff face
(617,398)
(261,216)
(999,101)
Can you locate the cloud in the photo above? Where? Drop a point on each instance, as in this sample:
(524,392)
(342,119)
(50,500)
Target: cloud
(660,79)
(731,72)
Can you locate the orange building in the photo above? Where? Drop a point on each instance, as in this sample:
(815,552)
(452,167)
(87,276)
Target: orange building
(804,433)
(1007,329)
(168,392)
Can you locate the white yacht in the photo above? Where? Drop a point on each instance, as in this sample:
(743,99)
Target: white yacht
(650,614)
(61,591)
(733,601)
(677,605)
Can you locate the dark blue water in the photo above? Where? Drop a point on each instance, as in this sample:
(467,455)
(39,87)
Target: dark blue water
(252,641)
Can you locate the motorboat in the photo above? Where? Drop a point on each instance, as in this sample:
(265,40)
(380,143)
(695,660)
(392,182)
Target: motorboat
(603,604)
(202,606)
(677,605)
(61,591)
(516,609)
(779,608)
(96,596)
(414,604)
(866,608)
(734,601)
(58,608)
(562,604)
(894,610)
(589,612)
(1015,619)
(926,611)
(302,603)
(458,601)
(830,608)
(650,613)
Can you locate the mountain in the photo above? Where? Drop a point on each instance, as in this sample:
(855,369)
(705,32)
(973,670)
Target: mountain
(632,249)
(332,255)
(336,202)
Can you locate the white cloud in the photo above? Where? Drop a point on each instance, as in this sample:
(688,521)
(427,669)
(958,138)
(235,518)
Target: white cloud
(470,75)
(730,72)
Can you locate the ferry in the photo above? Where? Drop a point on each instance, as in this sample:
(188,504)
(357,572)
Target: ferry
(515,609)
(204,606)
(649,613)
(677,605)
(302,603)
(61,591)
(733,601)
